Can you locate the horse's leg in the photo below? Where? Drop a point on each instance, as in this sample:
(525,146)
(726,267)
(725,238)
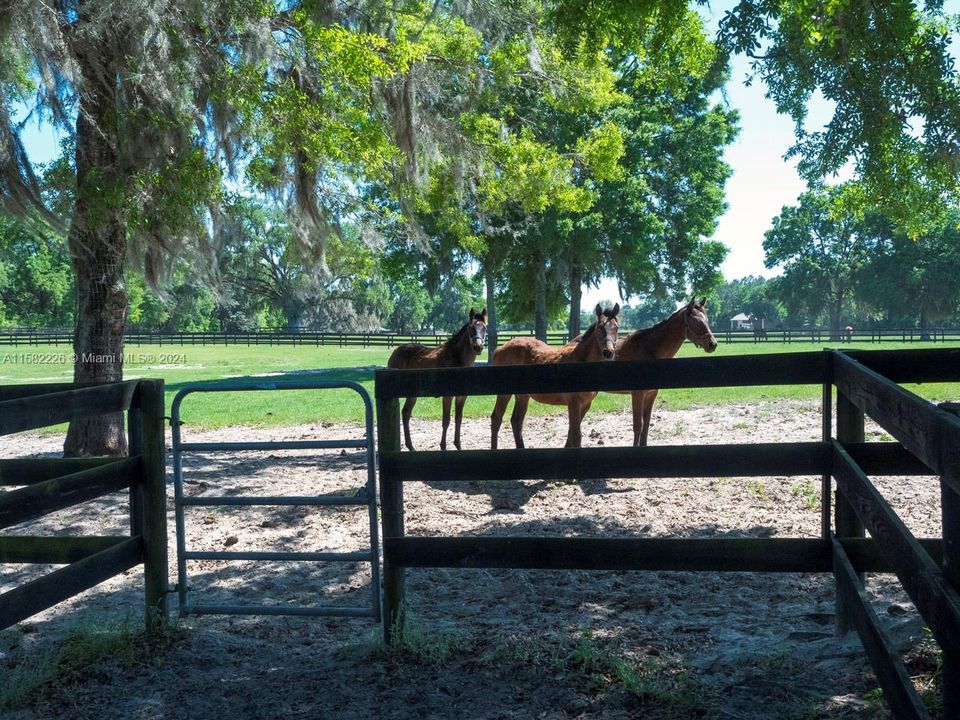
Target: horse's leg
(586,400)
(496,418)
(406,413)
(457,419)
(446,421)
(574,417)
(516,419)
(637,401)
(650,397)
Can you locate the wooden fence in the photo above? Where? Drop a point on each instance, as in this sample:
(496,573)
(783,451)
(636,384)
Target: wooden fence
(28,338)
(928,443)
(48,485)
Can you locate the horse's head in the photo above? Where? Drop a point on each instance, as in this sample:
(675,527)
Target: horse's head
(696,326)
(477,330)
(608,325)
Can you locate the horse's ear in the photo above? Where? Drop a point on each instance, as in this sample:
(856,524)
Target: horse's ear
(615,311)
(703,303)
(692,304)
(483,315)
(598,310)
(473,314)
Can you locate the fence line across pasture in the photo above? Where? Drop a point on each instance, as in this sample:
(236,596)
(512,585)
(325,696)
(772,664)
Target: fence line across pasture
(46,336)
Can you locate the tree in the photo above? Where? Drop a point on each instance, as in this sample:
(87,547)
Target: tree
(157,102)
(752,295)
(646,313)
(820,245)
(37,281)
(120,81)
(888,69)
(913,281)
(650,222)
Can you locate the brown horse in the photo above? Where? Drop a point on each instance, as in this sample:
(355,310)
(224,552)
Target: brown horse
(460,350)
(662,341)
(599,342)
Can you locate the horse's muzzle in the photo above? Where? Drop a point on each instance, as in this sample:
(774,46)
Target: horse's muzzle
(711,347)
(608,354)
(478,348)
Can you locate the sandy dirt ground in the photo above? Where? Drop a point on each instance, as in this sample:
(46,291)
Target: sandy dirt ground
(483,643)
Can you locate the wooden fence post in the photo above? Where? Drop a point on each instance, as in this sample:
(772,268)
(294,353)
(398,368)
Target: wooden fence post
(134,448)
(850,421)
(154,526)
(826,414)
(391,507)
(950,510)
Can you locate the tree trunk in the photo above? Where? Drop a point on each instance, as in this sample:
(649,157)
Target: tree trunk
(576,293)
(491,309)
(924,335)
(835,320)
(540,301)
(98,248)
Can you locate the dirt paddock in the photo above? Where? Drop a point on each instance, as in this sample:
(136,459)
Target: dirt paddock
(482,643)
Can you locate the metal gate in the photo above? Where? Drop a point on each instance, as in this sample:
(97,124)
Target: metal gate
(365,496)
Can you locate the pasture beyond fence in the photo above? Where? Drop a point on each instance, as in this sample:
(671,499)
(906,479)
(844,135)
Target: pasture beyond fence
(44,336)
(49,485)
(927,443)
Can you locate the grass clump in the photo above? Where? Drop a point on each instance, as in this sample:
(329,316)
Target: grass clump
(602,666)
(87,651)
(413,644)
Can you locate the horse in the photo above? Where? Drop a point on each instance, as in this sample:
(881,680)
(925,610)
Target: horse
(598,342)
(847,334)
(759,334)
(660,342)
(460,350)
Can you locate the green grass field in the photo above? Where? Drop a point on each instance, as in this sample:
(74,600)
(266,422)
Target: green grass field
(179,366)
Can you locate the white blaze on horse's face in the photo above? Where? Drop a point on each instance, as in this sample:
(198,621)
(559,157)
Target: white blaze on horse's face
(697,327)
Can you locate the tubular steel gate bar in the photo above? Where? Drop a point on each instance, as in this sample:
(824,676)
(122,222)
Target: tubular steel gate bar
(927,443)
(366,496)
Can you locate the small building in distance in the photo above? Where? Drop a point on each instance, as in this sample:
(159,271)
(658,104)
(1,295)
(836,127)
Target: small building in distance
(741,322)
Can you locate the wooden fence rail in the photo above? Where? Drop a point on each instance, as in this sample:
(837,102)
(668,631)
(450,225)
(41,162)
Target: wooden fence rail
(133,339)
(47,485)
(928,443)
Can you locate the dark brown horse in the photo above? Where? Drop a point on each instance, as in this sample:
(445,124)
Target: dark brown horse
(460,350)
(662,341)
(598,342)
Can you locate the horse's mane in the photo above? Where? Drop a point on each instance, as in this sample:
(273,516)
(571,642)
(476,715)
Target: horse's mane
(457,335)
(582,336)
(646,331)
